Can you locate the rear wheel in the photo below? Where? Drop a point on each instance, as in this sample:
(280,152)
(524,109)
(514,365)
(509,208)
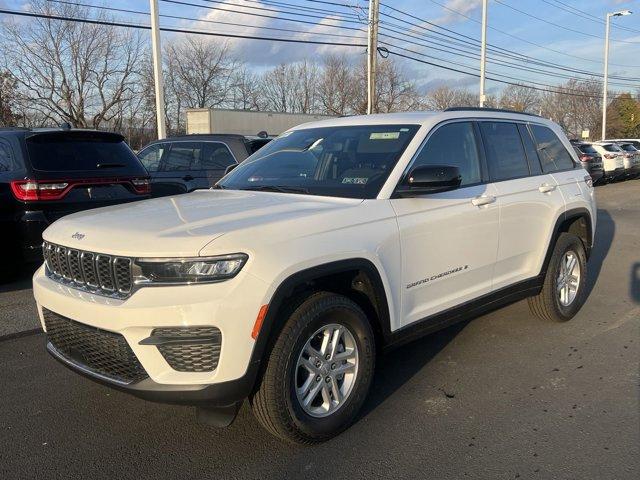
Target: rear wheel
(563,292)
(319,371)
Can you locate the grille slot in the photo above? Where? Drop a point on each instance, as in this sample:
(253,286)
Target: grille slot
(191,349)
(95,272)
(100,351)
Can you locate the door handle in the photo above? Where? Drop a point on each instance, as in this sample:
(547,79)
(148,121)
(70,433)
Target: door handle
(546,188)
(187,178)
(483,200)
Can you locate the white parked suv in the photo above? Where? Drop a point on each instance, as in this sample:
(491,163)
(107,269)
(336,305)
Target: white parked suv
(336,241)
(612,159)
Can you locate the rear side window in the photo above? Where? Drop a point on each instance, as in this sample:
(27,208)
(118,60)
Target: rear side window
(79,151)
(151,156)
(505,153)
(6,161)
(453,144)
(215,156)
(551,151)
(182,156)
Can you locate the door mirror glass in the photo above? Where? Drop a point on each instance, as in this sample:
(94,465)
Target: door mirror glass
(430,179)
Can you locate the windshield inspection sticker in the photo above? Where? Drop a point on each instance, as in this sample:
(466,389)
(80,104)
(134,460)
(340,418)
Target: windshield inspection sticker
(384,136)
(355,180)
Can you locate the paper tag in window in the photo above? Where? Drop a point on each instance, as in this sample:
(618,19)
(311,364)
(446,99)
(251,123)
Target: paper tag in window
(384,136)
(355,180)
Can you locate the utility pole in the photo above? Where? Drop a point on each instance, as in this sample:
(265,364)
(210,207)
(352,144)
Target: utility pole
(483,52)
(157,69)
(621,13)
(372,53)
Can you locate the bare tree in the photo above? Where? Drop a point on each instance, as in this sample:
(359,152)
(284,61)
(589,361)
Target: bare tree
(8,99)
(246,93)
(200,72)
(336,85)
(575,106)
(445,97)
(520,98)
(76,72)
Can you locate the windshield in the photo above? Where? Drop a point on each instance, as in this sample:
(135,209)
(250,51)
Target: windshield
(351,161)
(588,149)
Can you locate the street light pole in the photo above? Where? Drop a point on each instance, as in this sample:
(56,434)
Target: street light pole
(157,69)
(372,53)
(483,52)
(606,67)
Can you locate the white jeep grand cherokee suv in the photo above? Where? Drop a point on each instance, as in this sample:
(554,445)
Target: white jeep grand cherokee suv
(337,240)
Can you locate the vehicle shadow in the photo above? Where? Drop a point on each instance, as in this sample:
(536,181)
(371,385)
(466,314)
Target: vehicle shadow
(634,284)
(396,368)
(605,231)
(21,280)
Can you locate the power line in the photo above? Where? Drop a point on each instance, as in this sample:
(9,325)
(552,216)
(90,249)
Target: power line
(564,27)
(255,37)
(490,78)
(524,40)
(177,30)
(342,27)
(587,16)
(220,22)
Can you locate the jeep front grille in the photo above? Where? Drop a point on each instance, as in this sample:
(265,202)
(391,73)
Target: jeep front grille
(101,352)
(94,272)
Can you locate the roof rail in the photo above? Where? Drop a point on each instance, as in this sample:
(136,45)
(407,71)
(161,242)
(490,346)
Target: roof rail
(484,109)
(13,129)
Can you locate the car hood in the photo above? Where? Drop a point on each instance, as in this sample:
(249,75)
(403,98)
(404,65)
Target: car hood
(182,225)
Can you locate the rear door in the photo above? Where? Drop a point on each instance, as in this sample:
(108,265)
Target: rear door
(528,197)
(214,160)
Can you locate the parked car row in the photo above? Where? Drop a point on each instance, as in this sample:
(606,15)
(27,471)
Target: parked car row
(609,160)
(46,174)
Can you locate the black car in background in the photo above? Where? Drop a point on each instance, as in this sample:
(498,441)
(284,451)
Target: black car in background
(189,162)
(590,160)
(48,173)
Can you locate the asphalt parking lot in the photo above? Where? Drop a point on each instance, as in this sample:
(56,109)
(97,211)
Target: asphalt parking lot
(503,396)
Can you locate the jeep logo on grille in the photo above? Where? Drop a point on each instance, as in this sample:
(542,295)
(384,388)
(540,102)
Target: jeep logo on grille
(78,236)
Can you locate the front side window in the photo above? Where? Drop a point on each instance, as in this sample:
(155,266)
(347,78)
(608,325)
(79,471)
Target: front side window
(553,155)
(151,156)
(505,153)
(344,161)
(453,144)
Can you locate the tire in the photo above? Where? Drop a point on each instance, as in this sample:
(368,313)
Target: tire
(556,304)
(276,403)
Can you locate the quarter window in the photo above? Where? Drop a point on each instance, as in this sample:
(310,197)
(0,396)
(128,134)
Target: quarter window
(453,144)
(551,151)
(505,154)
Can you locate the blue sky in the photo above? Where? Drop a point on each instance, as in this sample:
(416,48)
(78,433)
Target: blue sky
(575,42)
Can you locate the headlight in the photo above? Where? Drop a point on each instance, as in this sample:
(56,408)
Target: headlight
(188,270)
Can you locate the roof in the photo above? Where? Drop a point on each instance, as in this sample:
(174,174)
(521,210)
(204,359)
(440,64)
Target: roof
(422,118)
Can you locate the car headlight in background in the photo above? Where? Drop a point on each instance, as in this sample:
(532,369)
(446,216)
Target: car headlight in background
(187,270)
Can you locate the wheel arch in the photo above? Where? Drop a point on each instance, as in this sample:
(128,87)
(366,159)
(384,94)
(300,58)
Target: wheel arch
(357,278)
(577,221)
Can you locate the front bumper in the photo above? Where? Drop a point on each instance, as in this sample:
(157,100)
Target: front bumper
(225,305)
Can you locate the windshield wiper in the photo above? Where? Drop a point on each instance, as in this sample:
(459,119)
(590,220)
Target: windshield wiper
(277,188)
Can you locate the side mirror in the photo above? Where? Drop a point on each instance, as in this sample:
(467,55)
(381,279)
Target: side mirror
(430,179)
(230,167)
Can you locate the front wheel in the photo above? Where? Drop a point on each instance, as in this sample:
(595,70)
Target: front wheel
(564,290)
(319,371)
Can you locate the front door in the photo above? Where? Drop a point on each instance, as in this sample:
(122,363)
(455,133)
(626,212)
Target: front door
(448,240)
